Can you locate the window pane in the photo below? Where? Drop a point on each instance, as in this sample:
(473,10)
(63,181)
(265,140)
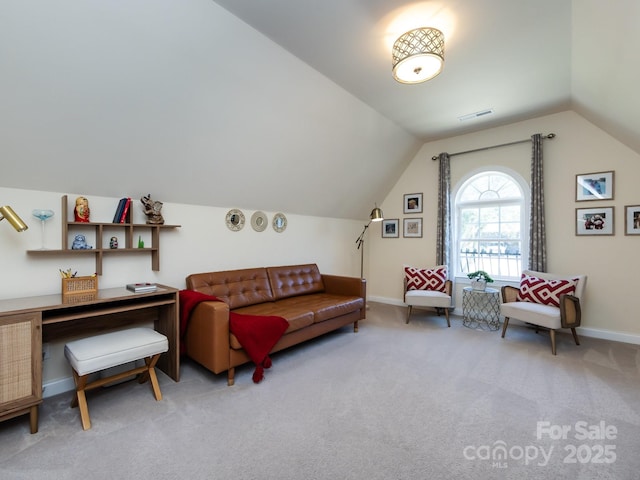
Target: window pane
(489,214)
(489,236)
(489,195)
(510,213)
(510,190)
(510,230)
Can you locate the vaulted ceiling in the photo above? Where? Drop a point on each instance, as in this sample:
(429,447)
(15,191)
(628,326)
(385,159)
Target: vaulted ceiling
(287,105)
(519,59)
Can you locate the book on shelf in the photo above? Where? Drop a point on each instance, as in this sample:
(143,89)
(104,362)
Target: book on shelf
(142,287)
(125,210)
(118,214)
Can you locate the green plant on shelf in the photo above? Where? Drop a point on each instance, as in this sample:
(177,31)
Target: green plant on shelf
(480,275)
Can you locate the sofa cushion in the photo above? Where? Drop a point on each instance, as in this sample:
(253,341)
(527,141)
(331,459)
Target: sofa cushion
(425,278)
(323,305)
(237,288)
(298,316)
(289,281)
(545,291)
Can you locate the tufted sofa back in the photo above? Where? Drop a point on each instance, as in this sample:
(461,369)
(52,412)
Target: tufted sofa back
(237,288)
(294,280)
(241,288)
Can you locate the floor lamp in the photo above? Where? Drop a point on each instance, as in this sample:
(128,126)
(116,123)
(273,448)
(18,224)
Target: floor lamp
(376,216)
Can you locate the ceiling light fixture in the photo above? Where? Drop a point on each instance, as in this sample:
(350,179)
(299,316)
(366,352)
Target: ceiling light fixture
(418,55)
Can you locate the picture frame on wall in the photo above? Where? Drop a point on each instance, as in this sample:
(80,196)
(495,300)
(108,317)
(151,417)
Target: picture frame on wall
(594,186)
(594,221)
(412,203)
(391,228)
(632,220)
(412,228)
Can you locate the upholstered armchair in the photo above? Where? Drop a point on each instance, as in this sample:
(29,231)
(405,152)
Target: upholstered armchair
(427,288)
(545,300)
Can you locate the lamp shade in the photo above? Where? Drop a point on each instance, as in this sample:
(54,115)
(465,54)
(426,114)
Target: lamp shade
(13,218)
(376,215)
(418,55)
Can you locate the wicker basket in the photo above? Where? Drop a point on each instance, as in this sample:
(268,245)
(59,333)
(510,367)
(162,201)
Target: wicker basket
(80,286)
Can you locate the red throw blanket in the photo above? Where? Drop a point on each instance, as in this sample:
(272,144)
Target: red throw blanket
(256,333)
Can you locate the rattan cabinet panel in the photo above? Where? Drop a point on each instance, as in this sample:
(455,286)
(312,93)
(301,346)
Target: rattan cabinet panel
(21,366)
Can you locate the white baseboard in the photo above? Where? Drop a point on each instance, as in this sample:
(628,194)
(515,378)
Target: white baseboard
(56,387)
(585,331)
(609,335)
(63,385)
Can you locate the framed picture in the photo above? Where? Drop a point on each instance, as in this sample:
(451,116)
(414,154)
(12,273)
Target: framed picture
(594,186)
(632,220)
(412,203)
(391,228)
(594,221)
(412,228)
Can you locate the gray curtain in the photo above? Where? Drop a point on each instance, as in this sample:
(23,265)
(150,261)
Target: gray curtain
(443,232)
(537,233)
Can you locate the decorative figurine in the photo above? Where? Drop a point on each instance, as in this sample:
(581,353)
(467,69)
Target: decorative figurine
(153,210)
(81,211)
(80,243)
(113,243)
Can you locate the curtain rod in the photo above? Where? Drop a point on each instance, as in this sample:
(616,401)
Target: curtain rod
(551,135)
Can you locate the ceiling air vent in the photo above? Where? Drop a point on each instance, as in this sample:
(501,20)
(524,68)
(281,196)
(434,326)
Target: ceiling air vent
(471,116)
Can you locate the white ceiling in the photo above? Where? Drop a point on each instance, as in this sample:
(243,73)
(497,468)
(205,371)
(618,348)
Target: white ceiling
(512,56)
(520,58)
(287,105)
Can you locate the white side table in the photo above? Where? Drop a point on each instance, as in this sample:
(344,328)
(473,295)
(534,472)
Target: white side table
(481,308)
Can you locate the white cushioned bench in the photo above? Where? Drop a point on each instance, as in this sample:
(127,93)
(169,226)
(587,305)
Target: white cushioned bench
(93,354)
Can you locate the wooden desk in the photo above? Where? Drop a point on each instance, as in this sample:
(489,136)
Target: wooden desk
(26,322)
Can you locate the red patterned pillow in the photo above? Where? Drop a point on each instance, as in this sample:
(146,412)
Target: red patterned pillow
(426,279)
(547,292)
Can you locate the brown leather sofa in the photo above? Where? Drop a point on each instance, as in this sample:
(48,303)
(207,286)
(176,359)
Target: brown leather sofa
(311,302)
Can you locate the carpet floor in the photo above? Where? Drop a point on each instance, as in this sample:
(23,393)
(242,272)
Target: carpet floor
(393,401)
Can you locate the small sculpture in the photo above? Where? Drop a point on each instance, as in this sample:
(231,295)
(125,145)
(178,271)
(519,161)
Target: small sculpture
(81,211)
(80,243)
(113,243)
(153,210)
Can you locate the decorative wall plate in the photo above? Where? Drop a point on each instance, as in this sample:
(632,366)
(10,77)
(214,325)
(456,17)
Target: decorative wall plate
(279,222)
(235,219)
(259,221)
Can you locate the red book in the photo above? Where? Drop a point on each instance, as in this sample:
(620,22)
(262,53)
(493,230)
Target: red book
(125,210)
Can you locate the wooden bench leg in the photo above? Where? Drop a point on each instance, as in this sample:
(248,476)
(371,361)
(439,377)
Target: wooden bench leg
(151,373)
(80,400)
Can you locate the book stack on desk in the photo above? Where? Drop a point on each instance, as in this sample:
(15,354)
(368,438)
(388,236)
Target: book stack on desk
(142,287)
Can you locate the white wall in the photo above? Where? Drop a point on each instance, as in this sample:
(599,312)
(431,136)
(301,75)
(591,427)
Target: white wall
(203,243)
(186,98)
(580,147)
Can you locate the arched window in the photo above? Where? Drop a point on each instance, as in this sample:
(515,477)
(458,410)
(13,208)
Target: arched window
(491,218)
